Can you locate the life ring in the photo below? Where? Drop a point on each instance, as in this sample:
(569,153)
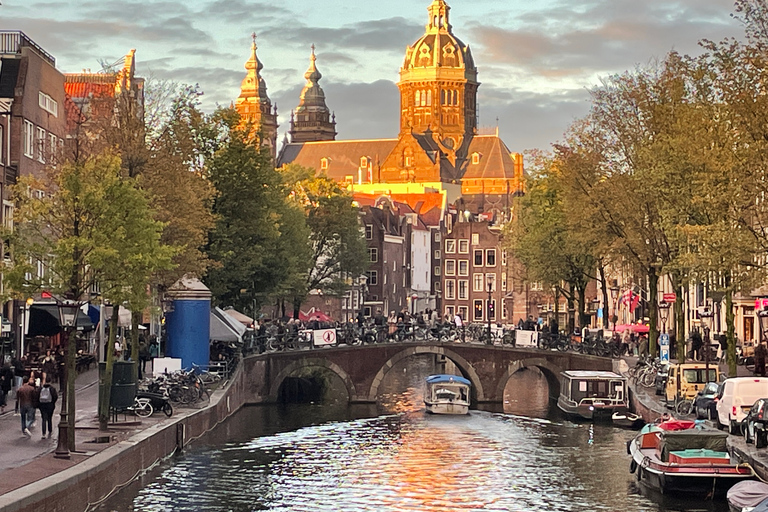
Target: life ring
(633,466)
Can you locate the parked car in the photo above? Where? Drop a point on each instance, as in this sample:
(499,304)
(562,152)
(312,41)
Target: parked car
(692,379)
(661,378)
(755,424)
(739,394)
(704,403)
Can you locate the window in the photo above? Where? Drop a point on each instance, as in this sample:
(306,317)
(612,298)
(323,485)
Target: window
(52,145)
(490,258)
(463,289)
(475,238)
(463,312)
(29,139)
(369,231)
(437,270)
(373,277)
(537,286)
(450,289)
(8,214)
(373,254)
(437,286)
(407,161)
(463,267)
(450,267)
(503,258)
(463,246)
(504,310)
(437,254)
(479,258)
(450,312)
(478,310)
(417,99)
(324,163)
(437,237)
(48,104)
(450,246)
(503,281)
(492,309)
(477,283)
(41,136)
(490,278)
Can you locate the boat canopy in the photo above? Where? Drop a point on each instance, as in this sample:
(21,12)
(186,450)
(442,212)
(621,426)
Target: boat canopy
(436,379)
(692,439)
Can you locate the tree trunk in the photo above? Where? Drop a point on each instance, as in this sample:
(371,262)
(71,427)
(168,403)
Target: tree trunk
(296,308)
(682,346)
(135,318)
(571,322)
(653,311)
(581,290)
(731,333)
(606,307)
(105,382)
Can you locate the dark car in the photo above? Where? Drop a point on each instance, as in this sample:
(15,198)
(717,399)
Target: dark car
(704,403)
(755,424)
(661,378)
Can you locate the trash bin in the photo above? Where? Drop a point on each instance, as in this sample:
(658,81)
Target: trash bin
(123,390)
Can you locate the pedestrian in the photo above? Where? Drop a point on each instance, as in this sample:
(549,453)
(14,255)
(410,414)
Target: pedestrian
(391,324)
(26,397)
(696,344)
(48,366)
(47,400)
(459,322)
(6,383)
(643,346)
(760,353)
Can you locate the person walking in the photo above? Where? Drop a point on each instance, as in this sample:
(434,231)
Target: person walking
(47,400)
(6,383)
(26,397)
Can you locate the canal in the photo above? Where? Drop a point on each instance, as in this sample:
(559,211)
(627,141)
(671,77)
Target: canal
(393,457)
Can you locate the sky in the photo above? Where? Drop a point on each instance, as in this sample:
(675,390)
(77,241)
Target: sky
(537,59)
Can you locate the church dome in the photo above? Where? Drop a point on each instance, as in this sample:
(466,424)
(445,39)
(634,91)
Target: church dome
(438,47)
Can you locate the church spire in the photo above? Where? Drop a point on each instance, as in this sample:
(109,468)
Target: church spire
(253,104)
(312,120)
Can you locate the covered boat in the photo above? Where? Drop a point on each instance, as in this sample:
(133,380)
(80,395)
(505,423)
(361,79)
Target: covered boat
(589,394)
(678,457)
(447,394)
(626,419)
(746,496)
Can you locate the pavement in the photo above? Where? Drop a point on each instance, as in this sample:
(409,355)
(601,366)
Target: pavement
(24,460)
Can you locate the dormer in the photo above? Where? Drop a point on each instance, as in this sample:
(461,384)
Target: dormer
(476,158)
(324,163)
(365,161)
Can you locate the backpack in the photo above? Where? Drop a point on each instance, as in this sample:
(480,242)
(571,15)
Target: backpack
(45,395)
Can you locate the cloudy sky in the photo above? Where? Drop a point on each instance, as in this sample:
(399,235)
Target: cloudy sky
(537,59)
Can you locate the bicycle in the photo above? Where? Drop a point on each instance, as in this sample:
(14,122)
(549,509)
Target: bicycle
(683,406)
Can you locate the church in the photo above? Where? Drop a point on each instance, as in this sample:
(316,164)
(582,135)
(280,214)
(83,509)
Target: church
(439,146)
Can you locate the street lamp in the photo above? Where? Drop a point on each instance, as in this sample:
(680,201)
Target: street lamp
(706,319)
(615,294)
(489,283)
(68,310)
(664,314)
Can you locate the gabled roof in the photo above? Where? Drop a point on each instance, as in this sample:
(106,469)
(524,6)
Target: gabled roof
(495,159)
(343,155)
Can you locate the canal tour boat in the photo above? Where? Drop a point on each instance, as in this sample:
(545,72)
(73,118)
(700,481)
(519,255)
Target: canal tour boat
(679,457)
(447,394)
(592,394)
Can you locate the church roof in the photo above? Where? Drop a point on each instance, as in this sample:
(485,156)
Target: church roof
(343,157)
(494,159)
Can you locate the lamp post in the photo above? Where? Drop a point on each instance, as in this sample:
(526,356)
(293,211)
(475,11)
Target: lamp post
(664,314)
(706,319)
(615,294)
(68,319)
(489,284)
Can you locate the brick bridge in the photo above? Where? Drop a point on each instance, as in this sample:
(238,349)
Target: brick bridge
(362,368)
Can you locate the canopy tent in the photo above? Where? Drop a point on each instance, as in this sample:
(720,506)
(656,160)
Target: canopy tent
(314,315)
(224,327)
(639,328)
(44,320)
(243,319)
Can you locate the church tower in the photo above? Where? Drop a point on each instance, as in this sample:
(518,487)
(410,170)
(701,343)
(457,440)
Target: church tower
(312,121)
(438,84)
(254,105)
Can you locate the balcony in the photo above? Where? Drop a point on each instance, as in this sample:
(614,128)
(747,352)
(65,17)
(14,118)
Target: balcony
(12,41)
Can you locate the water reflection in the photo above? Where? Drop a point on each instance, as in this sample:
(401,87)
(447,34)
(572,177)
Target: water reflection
(394,457)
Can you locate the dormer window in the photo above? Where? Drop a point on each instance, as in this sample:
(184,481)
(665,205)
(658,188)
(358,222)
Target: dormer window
(475,158)
(324,163)
(363,162)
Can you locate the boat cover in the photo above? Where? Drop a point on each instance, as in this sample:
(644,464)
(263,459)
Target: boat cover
(675,424)
(762,507)
(433,379)
(691,439)
(748,493)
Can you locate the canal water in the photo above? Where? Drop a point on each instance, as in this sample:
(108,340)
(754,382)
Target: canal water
(393,457)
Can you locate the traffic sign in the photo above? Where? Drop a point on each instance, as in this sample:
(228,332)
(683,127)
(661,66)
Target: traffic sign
(664,355)
(324,337)
(669,297)
(664,340)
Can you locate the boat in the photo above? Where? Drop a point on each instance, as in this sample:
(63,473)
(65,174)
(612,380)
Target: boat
(680,457)
(748,496)
(447,394)
(592,394)
(626,419)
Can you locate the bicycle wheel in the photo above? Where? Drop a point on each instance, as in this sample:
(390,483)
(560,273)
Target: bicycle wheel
(684,407)
(142,407)
(168,409)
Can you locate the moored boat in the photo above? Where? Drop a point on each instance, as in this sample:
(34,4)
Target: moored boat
(748,496)
(676,456)
(626,419)
(447,394)
(592,394)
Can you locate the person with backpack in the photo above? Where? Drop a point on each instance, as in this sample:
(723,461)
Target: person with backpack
(47,402)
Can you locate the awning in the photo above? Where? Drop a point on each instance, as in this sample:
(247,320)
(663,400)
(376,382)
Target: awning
(220,330)
(44,320)
(243,319)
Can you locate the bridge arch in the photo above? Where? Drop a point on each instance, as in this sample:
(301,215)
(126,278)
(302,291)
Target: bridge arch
(464,365)
(550,370)
(311,362)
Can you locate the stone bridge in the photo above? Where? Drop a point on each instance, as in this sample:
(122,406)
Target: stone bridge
(362,368)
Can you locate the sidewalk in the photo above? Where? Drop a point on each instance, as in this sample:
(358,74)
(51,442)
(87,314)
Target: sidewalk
(24,460)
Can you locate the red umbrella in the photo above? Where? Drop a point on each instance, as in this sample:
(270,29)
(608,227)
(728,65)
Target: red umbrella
(639,328)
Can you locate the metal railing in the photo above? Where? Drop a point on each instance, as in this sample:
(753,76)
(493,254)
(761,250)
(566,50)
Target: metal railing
(12,41)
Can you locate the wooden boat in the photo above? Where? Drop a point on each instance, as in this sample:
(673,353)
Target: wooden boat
(626,419)
(678,457)
(592,394)
(447,394)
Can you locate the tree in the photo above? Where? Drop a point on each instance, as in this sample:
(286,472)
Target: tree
(337,249)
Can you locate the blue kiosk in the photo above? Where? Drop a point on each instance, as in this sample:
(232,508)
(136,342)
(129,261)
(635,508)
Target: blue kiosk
(188,325)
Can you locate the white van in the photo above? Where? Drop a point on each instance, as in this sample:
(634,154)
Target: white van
(738,396)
